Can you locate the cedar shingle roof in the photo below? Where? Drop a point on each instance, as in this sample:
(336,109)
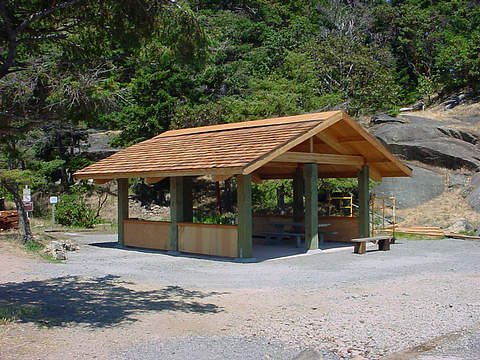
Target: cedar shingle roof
(220,149)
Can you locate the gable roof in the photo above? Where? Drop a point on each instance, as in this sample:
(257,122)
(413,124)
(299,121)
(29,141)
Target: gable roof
(227,149)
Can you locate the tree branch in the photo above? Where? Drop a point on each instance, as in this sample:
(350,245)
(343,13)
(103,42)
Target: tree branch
(45,12)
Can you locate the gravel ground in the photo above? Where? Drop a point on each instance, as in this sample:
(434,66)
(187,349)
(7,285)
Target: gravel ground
(419,301)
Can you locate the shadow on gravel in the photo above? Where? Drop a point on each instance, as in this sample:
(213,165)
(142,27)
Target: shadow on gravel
(95,302)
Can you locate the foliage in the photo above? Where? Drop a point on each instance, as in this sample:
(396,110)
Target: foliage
(37,247)
(145,66)
(72,210)
(9,314)
(264,195)
(227,219)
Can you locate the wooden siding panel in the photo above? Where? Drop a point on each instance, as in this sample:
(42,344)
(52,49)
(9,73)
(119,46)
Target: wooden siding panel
(208,239)
(146,234)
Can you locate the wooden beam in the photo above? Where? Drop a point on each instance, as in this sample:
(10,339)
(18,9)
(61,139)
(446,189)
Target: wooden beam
(221,177)
(256,179)
(145,174)
(375,174)
(153,180)
(176,209)
(254,165)
(101,181)
(244,208)
(333,142)
(331,159)
(350,139)
(363,203)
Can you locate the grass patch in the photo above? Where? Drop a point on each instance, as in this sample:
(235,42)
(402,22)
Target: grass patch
(9,314)
(37,247)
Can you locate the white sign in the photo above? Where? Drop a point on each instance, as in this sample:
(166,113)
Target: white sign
(27,194)
(53,199)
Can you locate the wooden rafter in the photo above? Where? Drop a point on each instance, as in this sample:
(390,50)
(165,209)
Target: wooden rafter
(333,142)
(280,150)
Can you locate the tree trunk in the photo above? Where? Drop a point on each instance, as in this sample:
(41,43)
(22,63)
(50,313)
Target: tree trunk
(218,208)
(23,220)
(228,196)
(281,200)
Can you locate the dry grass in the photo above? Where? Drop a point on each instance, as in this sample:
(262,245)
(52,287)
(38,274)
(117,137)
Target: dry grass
(441,211)
(438,113)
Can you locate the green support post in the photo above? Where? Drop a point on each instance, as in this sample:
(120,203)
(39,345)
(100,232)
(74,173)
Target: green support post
(311,206)
(363,202)
(122,206)
(298,191)
(244,208)
(176,209)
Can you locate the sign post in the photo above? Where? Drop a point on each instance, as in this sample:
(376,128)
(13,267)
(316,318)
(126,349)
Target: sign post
(53,201)
(27,200)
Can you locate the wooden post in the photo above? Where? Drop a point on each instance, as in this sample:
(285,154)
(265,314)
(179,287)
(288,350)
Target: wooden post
(311,206)
(187,199)
(363,202)
(122,207)
(176,209)
(298,190)
(244,208)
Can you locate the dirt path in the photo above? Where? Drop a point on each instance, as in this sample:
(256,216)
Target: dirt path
(108,303)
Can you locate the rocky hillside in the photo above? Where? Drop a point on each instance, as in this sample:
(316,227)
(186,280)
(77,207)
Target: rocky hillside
(442,146)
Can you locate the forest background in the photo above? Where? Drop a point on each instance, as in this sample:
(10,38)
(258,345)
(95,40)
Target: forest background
(145,66)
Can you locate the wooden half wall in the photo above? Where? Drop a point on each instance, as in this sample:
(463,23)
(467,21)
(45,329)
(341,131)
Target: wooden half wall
(146,234)
(347,227)
(208,239)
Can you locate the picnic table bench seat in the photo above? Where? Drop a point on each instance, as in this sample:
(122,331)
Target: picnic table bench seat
(360,246)
(297,236)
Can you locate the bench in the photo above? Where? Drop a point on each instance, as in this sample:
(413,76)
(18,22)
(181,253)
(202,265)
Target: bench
(361,243)
(279,235)
(297,236)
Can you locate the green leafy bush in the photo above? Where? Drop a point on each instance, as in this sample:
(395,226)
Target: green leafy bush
(72,210)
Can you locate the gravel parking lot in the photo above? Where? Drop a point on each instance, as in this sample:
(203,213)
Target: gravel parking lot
(419,301)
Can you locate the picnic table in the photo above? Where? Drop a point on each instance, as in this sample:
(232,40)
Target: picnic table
(293,230)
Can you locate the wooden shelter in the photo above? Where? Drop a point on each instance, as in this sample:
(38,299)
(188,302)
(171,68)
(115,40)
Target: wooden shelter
(303,148)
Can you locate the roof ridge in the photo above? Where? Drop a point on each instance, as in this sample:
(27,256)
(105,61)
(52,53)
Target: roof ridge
(250,124)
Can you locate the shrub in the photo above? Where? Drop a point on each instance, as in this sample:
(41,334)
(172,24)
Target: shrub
(72,210)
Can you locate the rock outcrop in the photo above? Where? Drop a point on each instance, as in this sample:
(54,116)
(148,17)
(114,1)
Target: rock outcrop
(423,186)
(472,193)
(431,142)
